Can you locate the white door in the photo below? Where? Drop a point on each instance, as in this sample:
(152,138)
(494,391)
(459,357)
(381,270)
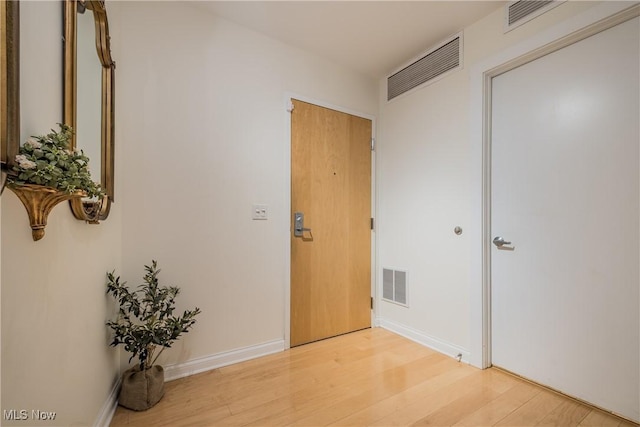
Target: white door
(565,192)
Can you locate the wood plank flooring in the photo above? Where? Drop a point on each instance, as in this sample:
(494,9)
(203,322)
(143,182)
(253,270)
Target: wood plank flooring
(371,377)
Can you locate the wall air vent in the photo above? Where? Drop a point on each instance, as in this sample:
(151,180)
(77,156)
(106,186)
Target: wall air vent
(446,57)
(519,12)
(394,286)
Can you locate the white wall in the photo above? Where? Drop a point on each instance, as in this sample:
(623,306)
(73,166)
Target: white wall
(427,187)
(55,353)
(201,134)
(201,107)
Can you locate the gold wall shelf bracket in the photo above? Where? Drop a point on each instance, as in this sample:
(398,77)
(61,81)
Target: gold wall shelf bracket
(39,201)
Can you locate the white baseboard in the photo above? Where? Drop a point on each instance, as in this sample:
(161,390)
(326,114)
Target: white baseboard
(109,408)
(424,339)
(207,363)
(191,367)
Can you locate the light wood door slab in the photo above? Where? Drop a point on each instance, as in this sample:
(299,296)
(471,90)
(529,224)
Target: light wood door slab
(331,185)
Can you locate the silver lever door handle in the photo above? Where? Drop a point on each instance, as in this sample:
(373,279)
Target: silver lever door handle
(298,225)
(500,242)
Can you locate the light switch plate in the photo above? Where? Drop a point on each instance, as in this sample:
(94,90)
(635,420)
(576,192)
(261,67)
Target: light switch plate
(260,212)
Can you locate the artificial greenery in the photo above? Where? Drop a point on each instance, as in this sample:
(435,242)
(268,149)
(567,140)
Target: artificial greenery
(47,160)
(145,319)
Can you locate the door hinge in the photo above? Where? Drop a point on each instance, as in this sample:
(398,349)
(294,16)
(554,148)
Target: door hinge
(372,223)
(373,144)
(371,303)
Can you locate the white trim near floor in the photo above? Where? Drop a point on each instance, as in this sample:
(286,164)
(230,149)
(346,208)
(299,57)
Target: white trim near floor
(109,408)
(207,363)
(192,367)
(434,343)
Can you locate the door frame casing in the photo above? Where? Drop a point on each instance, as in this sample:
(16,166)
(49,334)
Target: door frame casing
(590,22)
(374,207)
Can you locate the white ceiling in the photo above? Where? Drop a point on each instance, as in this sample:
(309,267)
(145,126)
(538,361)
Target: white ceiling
(373,37)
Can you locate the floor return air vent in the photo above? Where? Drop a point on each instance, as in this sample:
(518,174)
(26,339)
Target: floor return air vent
(394,286)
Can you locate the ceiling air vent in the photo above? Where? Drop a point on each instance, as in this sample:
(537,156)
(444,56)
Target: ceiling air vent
(519,12)
(435,63)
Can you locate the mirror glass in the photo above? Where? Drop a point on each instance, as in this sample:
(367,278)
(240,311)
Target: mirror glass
(88,92)
(88,97)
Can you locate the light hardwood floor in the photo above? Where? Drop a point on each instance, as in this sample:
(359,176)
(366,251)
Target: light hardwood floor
(372,377)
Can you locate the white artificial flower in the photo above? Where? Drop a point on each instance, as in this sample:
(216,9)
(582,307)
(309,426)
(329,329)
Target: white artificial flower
(33,143)
(21,158)
(27,164)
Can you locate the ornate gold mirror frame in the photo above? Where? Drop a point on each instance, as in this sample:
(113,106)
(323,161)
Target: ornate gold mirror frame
(88,210)
(9,85)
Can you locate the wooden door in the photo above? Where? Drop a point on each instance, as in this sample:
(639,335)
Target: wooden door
(331,186)
(564,188)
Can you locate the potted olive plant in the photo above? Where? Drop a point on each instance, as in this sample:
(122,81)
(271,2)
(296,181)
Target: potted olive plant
(145,322)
